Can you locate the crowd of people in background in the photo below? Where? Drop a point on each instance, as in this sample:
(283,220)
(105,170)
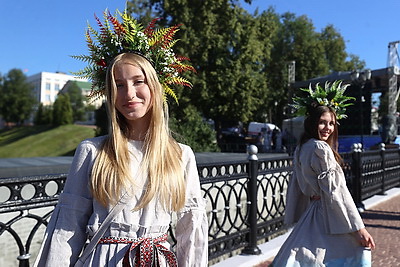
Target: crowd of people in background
(270,140)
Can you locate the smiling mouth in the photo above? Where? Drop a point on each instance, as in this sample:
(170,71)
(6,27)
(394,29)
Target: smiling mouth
(132,104)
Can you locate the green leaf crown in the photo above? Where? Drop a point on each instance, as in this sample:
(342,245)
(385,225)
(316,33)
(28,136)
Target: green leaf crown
(115,37)
(331,95)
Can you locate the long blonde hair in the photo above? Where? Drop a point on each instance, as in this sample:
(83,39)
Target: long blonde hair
(162,155)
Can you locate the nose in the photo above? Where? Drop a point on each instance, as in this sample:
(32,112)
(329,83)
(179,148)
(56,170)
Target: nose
(326,126)
(131,92)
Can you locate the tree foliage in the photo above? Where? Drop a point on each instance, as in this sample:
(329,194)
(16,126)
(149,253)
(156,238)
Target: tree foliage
(101,120)
(44,115)
(77,102)
(314,53)
(242,59)
(194,131)
(17,100)
(62,111)
(223,42)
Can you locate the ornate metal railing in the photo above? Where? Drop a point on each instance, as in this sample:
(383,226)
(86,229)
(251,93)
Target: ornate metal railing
(272,184)
(24,196)
(225,188)
(246,199)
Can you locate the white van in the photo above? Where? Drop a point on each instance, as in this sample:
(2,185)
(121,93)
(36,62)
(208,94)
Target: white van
(259,127)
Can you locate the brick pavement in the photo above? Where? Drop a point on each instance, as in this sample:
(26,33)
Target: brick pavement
(383,223)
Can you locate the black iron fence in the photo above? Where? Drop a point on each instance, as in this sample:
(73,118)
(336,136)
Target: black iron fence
(246,199)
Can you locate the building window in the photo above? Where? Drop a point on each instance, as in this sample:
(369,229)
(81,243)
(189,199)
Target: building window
(57,87)
(48,85)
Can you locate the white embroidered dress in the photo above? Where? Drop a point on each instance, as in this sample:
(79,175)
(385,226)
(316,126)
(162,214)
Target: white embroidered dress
(78,215)
(323,235)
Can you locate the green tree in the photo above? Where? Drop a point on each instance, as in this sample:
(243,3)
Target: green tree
(315,54)
(77,102)
(334,47)
(17,100)
(354,63)
(242,59)
(143,9)
(223,42)
(39,115)
(295,40)
(194,131)
(44,115)
(101,120)
(62,111)
(335,51)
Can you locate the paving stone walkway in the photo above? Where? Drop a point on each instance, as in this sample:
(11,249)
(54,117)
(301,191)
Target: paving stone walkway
(383,223)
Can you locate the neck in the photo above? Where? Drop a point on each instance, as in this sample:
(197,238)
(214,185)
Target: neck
(137,136)
(138,129)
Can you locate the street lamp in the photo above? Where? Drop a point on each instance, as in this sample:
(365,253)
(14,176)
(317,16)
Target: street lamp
(360,78)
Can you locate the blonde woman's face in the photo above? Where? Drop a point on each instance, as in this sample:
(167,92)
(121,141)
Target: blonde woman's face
(133,94)
(326,125)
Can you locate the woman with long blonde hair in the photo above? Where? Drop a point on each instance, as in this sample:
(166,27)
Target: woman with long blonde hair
(138,167)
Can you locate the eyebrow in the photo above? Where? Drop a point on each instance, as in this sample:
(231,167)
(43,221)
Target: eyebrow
(322,120)
(140,76)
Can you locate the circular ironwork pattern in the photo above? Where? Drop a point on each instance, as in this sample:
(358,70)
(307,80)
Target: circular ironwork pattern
(26,195)
(30,192)
(224,187)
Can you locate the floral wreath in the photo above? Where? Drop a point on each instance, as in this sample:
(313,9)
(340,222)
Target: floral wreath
(331,95)
(115,37)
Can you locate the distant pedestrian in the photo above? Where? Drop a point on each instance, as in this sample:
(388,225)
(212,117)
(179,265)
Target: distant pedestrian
(260,142)
(329,229)
(267,141)
(123,188)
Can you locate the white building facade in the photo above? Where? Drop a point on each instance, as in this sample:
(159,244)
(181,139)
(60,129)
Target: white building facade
(48,84)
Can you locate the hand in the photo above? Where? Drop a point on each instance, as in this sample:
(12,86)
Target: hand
(365,238)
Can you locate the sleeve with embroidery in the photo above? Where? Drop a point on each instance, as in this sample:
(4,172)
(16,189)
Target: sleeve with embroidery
(340,212)
(66,232)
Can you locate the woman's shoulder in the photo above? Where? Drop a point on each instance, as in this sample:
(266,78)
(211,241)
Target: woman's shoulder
(187,152)
(316,144)
(316,147)
(184,147)
(94,142)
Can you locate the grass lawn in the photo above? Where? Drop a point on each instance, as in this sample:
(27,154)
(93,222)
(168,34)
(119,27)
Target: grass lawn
(42,141)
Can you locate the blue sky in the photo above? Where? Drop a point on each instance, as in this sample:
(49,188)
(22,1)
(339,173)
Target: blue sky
(41,35)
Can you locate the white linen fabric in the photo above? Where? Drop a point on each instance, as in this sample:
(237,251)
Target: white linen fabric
(77,216)
(324,232)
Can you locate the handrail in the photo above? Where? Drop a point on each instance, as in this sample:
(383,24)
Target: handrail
(246,199)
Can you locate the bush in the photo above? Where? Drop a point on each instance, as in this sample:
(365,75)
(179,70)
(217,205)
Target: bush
(194,131)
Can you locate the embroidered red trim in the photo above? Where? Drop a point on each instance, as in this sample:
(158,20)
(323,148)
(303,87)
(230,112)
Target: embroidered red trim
(148,250)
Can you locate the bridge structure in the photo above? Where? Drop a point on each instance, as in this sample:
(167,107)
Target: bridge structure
(246,201)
